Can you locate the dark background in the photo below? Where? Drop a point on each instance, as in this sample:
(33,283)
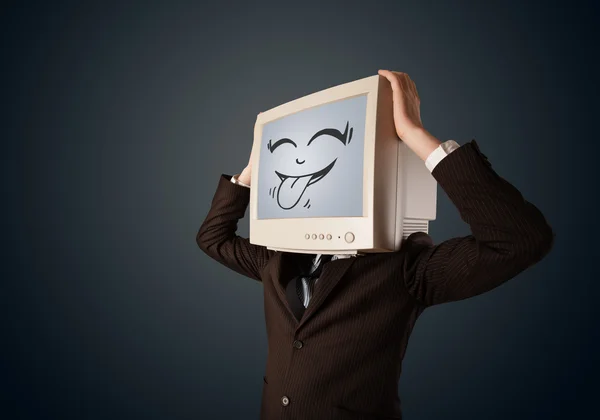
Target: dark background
(117,121)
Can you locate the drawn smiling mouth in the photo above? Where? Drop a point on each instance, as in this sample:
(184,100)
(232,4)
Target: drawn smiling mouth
(292,188)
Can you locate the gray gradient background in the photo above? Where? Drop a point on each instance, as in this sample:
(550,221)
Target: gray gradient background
(118,120)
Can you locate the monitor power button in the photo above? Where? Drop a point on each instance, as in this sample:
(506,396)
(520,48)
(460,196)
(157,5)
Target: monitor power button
(349,237)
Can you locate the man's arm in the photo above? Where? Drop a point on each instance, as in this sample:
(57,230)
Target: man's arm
(217,235)
(509,234)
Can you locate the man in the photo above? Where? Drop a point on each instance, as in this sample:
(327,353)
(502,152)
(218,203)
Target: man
(335,346)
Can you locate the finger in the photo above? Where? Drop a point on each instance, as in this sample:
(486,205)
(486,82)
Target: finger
(398,91)
(389,75)
(409,85)
(403,81)
(413,87)
(400,76)
(392,78)
(384,73)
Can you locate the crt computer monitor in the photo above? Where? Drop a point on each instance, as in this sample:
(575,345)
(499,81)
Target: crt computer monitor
(330,175)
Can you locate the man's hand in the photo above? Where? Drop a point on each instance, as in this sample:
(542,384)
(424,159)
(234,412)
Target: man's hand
(407,114)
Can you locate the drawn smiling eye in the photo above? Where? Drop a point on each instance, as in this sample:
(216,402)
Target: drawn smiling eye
(344,137)
(272,147)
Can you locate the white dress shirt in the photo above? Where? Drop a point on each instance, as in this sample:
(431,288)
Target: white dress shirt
(432,160)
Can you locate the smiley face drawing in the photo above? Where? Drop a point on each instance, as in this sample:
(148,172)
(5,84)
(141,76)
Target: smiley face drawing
(296,180)
(311,162)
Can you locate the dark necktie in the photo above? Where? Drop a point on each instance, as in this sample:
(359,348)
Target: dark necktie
(305,283)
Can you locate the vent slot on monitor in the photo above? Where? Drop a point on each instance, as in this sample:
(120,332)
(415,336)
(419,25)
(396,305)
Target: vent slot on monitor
(410,226)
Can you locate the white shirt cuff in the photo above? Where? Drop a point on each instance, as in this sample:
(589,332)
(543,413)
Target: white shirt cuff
(236,181)
(440,153)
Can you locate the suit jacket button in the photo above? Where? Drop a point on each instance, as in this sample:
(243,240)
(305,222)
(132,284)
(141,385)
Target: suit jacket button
(285,401)
(298,344)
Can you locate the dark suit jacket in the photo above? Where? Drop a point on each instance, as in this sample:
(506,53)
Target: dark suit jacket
(342,358)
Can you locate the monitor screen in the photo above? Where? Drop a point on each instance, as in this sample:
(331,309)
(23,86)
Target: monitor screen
(311,162)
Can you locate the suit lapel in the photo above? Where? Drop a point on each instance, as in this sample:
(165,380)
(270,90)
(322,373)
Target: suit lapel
(294,300)
(331,275)
(289,266)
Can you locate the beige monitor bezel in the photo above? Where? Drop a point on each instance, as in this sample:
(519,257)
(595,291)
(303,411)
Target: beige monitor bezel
(289,234)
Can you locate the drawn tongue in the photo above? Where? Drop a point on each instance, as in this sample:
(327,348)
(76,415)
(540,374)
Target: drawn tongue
(291,190)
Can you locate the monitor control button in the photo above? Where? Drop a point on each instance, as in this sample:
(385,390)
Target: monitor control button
(321,236)
(329,236)
(314,236)
(307,236)
(349,237)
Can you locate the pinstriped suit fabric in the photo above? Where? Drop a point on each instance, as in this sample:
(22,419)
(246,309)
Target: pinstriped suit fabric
(341,357)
